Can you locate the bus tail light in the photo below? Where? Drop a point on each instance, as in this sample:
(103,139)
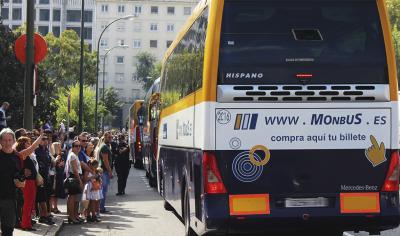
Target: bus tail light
(212,177)
(392,178)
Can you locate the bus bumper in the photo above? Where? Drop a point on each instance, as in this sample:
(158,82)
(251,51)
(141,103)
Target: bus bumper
(218,219)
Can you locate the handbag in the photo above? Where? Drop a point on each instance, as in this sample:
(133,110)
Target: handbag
(39,180)
(72,186)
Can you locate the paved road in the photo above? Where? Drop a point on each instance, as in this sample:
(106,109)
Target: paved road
(141,213)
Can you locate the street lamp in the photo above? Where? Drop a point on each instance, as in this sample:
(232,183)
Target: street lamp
(128,17)
(104,70)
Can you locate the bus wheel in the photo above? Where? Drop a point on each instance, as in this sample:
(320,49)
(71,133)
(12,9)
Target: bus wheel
(186,215)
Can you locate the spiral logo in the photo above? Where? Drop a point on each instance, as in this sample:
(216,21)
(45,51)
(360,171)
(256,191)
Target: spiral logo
(244,170)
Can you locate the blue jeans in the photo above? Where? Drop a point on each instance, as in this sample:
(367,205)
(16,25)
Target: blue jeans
(106,182)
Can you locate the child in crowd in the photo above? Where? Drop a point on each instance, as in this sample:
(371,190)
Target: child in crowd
(91,192)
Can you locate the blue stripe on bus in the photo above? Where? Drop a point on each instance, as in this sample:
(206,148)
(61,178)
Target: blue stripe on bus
(253,122)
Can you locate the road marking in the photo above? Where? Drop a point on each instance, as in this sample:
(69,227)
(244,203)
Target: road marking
(347,234)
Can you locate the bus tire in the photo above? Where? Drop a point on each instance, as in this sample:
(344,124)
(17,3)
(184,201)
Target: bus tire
(186,215)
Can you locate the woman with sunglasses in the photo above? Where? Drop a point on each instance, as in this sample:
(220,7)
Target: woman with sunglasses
(73,170)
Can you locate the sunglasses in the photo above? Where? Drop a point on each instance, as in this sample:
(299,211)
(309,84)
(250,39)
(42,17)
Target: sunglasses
(84,141)
(76,146)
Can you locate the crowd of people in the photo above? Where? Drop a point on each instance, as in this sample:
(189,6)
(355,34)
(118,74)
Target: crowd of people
(39,167)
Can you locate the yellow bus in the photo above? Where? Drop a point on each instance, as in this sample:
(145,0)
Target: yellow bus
(136,133)
(281,116)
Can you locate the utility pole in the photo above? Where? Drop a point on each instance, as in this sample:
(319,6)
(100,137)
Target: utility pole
(29,69)
(80,123)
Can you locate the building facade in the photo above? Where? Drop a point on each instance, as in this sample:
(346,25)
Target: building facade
(155,26)
(52,16)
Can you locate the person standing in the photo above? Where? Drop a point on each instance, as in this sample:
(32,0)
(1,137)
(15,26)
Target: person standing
(10,179)
(74,171)
(122,164)
(105,163)
(42,195)
(3,118)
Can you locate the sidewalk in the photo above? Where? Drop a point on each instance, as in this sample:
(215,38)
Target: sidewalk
(42,229)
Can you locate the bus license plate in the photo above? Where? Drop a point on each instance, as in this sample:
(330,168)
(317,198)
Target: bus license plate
(306,202)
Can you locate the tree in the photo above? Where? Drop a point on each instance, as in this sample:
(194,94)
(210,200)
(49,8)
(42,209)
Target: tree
(394,16)
(62,63)
(60,69)
(89,100)
(112,105)
(144,65)
(153,75)
(12,78)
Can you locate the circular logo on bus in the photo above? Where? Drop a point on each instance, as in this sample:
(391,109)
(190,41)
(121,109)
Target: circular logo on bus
(223,117)
(244,170)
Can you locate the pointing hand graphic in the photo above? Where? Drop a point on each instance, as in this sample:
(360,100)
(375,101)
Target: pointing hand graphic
(376,153)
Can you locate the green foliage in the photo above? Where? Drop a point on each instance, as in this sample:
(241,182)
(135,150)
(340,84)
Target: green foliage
(183,75)
(12,78)
(89,101)
(62,64)
(60,69)
(111,103)
(144,66)
(154,74)
(394,16)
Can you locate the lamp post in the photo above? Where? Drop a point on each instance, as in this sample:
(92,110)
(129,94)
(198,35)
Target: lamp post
(104,70)
(97,65)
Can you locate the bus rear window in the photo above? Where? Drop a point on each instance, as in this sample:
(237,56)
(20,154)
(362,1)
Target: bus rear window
(271,42)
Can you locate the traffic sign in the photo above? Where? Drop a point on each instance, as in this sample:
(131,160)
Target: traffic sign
(40,48)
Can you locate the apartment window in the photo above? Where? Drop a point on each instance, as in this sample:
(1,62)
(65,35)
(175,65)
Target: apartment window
(120,60)
(153,43)
(44,1)
(56,31)
(138,9)
(171,10)
(170,27)
(75,16)
(120,26)
(154,10)
(169,42)
(44,15)
(153,27)
(4,13)
(137,43)
(120,42)
(137,26)
(43,30)
(103,43)
(88,16)
(187,11)
(104,8)
(87,33)
(56,15)
(17,1)
(17,14)
(121,8)
(119,77)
